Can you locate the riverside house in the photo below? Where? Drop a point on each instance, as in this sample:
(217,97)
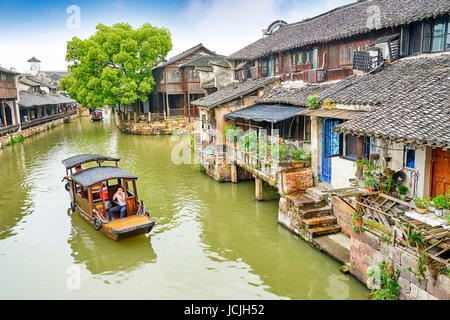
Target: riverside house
(180,80)
(367,84)
(9,112)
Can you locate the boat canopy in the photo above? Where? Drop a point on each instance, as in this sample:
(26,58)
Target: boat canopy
(266,112)
(91,176)
(84,158)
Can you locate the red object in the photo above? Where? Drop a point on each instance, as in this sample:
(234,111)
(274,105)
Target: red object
(358,223)
(105,193)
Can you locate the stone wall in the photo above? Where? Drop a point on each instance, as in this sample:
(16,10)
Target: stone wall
(297,180)
(36,130)
(368,250)
(155,127)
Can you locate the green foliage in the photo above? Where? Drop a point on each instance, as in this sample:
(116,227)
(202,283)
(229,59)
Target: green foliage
(419,273)
(14,140)
(441,202)
(285,152)
(201,168)
(313,101)
(387,183)
(230,131)
(249,141)
(415,239)
(300,155)
(114,66)
(371,181)
(387,280)
(401,189)
(421,203)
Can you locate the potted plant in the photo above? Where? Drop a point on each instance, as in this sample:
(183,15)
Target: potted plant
(301,158)
(386,184)
(402,191)
(370,183)
(440,203)
(421,205)
(357,221)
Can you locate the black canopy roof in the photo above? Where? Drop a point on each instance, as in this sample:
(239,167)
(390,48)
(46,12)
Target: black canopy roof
(266,112)
(95,175)
(83,158)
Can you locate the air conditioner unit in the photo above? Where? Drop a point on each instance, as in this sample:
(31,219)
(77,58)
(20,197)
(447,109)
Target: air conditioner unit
(315,75)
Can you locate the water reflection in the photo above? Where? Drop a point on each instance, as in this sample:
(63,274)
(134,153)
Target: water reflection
(100,255)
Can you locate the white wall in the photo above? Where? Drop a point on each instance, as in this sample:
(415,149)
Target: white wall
(341,171)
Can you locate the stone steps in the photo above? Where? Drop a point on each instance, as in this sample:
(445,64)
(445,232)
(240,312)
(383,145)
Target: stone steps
(317,193)
(308,213)
(305,201)
(320,221)
(322,231)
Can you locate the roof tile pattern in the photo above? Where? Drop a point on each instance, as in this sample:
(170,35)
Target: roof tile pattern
(233,91)
(343,22)
(410,100)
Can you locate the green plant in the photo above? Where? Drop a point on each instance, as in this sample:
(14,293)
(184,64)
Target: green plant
(386,278)
(300,155)
(421,203)
(357,222)
(367,165)
(285,152)
(415,239)
(371,181)
(313,101)
(14,140)
(387,184)
(230,131)
(201,168)
(419,273)
(441,202)
(401,189)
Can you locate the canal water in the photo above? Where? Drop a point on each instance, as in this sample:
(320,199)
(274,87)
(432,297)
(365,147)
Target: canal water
(211,241)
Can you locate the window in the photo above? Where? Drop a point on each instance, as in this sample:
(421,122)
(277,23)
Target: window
(427,33)
(264,67)
(350,54)
(415,39)
(343,55)
(438,36)
(410,158)
(277,65)
(308,57)
(448,35)
(293,59)
(351,147)
(300,58)
(307,124)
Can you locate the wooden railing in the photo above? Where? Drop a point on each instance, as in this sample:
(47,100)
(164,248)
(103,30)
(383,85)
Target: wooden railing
(385,216)
(42,120)
(9,129)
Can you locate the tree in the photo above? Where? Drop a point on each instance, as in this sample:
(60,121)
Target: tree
(114,66)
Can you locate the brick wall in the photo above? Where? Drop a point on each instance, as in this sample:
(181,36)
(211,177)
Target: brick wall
(298,180)
(368,250)
(155,127)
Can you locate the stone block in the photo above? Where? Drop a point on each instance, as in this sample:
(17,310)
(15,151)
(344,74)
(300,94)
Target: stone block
(438,289)
(405,285)
(367,238)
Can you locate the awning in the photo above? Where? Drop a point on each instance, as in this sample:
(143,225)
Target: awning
(95,175)
(266,112)
(334,113)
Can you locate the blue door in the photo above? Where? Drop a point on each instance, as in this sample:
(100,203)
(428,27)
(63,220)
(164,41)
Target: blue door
(331,147)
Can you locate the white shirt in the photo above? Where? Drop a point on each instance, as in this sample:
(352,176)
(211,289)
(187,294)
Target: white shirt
(120,200)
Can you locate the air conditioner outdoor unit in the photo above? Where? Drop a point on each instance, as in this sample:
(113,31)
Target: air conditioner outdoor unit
(315,75)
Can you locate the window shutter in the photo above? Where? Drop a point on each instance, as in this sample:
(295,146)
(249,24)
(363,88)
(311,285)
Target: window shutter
(404,39)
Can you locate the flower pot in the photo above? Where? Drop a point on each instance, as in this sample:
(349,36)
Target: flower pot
(361,183)
(439,212)
(359,223)
(368,189)
(402,196)
(298,165)
(422,210)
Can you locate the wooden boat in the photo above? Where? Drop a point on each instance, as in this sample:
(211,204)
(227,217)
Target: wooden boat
(97,115)
(91,192)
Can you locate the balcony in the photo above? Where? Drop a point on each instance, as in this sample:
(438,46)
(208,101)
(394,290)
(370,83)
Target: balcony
(315,75)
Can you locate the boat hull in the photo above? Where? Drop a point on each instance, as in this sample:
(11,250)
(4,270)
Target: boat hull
(127,227)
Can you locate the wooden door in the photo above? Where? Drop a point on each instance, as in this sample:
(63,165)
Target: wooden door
(441,172)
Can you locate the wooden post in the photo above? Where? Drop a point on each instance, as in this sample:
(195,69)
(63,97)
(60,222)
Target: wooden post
(4,114)
(258,189)
(167,105)
(234,175)
(189,106)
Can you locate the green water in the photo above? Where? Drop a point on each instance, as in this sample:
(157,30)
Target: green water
(211,241)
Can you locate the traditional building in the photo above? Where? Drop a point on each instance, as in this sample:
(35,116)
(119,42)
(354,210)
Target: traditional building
(9,113)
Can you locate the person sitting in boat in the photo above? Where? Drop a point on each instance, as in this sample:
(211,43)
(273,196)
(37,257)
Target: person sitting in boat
(121,206)
(78,169)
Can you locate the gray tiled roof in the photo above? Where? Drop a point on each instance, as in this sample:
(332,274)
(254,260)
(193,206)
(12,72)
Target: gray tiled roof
(4,70)
(34,81)
(410,100)
(233,91)
(205,60)
(296,96)
(27,99)
(183,55)
(343,22)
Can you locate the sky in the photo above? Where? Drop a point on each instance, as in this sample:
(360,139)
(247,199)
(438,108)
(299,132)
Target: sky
(42,28)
